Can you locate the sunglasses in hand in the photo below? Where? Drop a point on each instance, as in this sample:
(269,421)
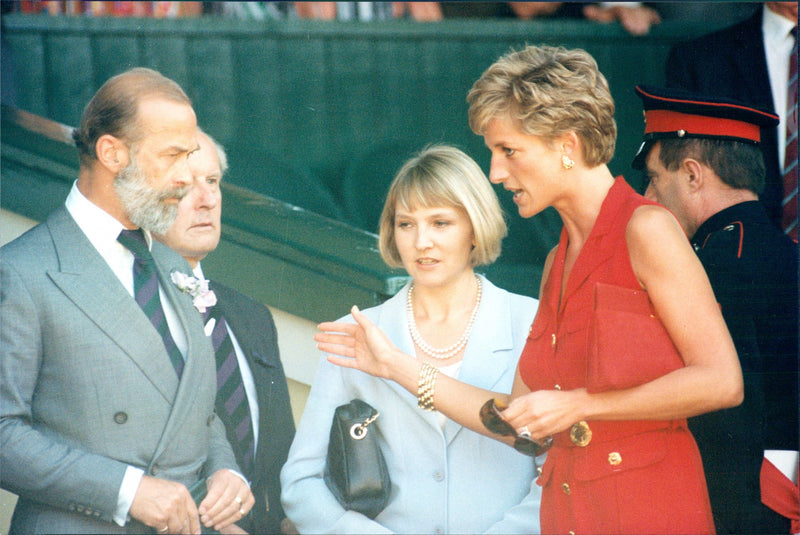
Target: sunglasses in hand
(491,419)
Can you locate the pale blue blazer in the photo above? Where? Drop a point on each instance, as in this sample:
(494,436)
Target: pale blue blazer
(443,481)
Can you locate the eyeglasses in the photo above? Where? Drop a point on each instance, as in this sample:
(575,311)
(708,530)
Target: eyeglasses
(491,419)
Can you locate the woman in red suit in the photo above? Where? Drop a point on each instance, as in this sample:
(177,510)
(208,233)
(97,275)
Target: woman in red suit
(628,341)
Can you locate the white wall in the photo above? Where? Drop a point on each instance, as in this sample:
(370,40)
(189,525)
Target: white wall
(295,341)
(12,225)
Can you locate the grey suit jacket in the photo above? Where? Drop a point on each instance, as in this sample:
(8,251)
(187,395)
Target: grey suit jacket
(87,388)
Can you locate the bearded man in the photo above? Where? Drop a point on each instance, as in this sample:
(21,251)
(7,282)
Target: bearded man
(107,380)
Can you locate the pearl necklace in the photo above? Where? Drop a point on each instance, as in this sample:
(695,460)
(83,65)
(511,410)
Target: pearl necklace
(446,353)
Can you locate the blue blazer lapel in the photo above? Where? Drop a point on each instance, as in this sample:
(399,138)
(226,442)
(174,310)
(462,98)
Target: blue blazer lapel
(82,272)
(394,323)
(486,359)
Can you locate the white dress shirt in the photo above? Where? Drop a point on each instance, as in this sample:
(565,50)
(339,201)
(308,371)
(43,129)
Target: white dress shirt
(778,43)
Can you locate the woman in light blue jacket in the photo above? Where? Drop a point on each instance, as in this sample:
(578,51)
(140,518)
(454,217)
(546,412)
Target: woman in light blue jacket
(440,220)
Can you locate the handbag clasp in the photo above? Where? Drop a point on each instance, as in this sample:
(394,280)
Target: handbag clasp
(359,430)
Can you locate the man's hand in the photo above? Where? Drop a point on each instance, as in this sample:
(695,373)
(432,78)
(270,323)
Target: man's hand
(228,500)
(166,506)
(233,529)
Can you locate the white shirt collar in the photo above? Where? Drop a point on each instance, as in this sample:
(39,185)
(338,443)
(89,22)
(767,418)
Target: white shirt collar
(778,43)
(100,227)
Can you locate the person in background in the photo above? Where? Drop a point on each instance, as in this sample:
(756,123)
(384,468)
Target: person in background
(159,9)
(368,11)
(622,458)
(635,17)
(254,367)
(754,62)
(720,13)
(440,220)
(704,164)
(106,376)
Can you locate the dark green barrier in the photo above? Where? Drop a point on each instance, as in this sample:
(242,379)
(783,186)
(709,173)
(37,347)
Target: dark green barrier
(321,114)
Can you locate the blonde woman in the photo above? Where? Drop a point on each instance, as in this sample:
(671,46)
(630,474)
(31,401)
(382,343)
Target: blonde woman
(440,220)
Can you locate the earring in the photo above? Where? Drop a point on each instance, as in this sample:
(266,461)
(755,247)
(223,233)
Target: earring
(567,162)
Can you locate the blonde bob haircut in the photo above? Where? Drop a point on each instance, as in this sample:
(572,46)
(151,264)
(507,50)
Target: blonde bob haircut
(441,175)
(548,91)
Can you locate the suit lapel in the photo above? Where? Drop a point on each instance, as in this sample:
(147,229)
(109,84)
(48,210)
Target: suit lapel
(750,60)
(394,323)
(114,311)
(251,338)
(200,365)
(486,359)
(253,341)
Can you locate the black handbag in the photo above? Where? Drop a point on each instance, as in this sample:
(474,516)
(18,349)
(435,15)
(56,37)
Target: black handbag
(355,470)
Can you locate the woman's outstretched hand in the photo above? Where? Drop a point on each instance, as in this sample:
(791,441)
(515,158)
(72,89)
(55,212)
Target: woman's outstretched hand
(359,345)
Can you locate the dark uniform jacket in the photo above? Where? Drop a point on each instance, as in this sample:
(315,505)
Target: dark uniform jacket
(753,270)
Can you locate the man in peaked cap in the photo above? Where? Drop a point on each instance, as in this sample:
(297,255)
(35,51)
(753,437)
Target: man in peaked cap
(703,162)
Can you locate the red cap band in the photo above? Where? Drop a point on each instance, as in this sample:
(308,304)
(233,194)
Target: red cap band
(662,121)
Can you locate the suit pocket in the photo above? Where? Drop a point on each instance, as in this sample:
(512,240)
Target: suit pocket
(618,456)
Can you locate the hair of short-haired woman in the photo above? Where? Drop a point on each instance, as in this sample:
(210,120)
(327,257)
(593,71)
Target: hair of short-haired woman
(442,175)
(738,164)
(548,91)
(114,108)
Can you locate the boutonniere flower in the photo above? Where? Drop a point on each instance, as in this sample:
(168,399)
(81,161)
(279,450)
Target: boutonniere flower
(202,296)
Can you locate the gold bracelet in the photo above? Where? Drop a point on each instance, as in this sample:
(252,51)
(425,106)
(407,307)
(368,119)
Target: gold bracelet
(426,385)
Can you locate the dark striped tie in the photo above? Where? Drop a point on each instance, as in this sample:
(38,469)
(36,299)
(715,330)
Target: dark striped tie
(145,291)
(789,220)
(232,405)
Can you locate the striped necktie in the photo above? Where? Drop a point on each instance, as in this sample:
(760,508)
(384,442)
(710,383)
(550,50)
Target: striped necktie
(231,404)
(789,220)
(145,291)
